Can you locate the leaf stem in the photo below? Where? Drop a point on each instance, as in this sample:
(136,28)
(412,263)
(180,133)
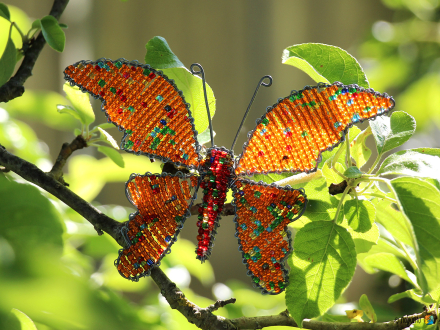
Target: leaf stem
(380,196)
(408,256)
(347,151)
(340,202)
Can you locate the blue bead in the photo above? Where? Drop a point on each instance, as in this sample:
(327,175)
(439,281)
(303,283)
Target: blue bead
(150,262)
(143,226)
(257,222)
(136,265)
(268,229)
(163,121)
(344,90)
(273,260)
(254,259)
(356,118)
(168,239)
(159,98)
(289,206)
(273,205)
(243,226)
(173,198)
(241,192)
(256,249)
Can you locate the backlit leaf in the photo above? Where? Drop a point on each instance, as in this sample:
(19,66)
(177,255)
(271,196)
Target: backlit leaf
(322,265)
(365,305)
(113,154)
(160,56)
(360,214)
(53,33)
(324,63)
(415,295)
(80,102)
(359,151)
(388,262)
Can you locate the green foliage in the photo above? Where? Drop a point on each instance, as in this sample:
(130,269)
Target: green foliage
(53,33)
(365,305)
(324,63)
(7,60)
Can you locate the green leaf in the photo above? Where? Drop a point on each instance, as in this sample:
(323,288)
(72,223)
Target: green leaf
(330,175)
(388,262)
(360,214)
(69,110)
(53,33)
(270,177)
(420,324)
(322,266)
(63,26)
(393,220)
(80,102)
(77,131)
(36,24)
(7,62)
(390,133)
(108,138)
(4,11)
(415,295)
(421,204)
(365,241)
(160,56)
(205,137)
(421,162)
(113,154)
(365,305)
(192,89)
(103,126)
(353,172)
(18,320)
(359,150)
(324,63)
(25,211)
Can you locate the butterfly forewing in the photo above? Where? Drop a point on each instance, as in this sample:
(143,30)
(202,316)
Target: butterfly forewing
(262,215)
(295,131)
(163,202)
(145,104)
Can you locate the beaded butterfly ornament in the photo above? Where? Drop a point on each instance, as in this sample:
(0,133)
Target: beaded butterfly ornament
(157,122)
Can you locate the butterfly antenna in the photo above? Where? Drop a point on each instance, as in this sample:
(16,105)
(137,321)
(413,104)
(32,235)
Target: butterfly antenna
(202,73)
(261,83)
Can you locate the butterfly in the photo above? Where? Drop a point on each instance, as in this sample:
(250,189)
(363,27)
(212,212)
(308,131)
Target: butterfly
(157,122)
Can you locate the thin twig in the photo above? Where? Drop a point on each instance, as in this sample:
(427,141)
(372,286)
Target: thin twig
(66,150)
(14,87)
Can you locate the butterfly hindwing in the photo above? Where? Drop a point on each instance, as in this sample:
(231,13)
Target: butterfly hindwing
(294,132)
(163,203)
(262,215)
(143,103)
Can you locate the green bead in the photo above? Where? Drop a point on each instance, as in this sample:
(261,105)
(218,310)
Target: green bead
(260,229)
(215,207)
(200,217)
(258,255)
(247,256)
(255,279)
(205,205)
(146,72)
(270,208)
(272,284)
(118,65)
(172,142)
(352,90)
(113,90)
(131,108)
(281,285)
(101,83)
(243,200)
(205,225)
(257,194)
(178,218)
(128,144)
(265,121)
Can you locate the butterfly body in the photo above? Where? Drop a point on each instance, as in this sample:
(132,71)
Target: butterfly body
(157,122)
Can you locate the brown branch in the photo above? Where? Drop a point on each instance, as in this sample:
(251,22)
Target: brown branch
(14,87)
(33,174)
(66,150)
(228,209)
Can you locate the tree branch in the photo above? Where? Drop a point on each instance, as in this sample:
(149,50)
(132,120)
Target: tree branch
(14,87)
(66,150)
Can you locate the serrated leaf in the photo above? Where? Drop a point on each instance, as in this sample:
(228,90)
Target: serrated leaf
(4,11)
(205,137)
(420,162)
(365,305)
(52,33)
(80,102)
(421,205)
(359,150)
(160,56)
(390,133)
(388,262)
(360,214)
(7,62)
(192,89)
(69,110)
(107,137)
(113,154)
(322,266)
(415,295)
(18,320)
(324,63)
(353,172)
(394,222)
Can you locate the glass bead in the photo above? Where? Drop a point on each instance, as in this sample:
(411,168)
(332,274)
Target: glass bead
(159,98)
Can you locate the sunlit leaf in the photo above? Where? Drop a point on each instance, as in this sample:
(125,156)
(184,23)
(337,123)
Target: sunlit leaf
(353,172)
(7,62)
(80,102)
(107,137)
(69,110)
(160,56)
(415,295)
(360,214)
(53,33)
(113,154)
(319,266)
(18,320)
(205,137)
(390,133)
(388,262)
(359,150)
(421,204)
(324,63)
(365,305)
(36,24)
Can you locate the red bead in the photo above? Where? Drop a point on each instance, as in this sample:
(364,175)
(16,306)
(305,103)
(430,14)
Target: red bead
(119,91)
(153,177)
(137,142)
(272,195)
(200,210)
(126,75)
(267,136)
(199,223)
(120,111)
(289,134)
(144,104)
(199,237)
(133,68)
(288,147)
(123,98)
(260,153)
(354,95)
(201,231)
(160,251)
(97,68)
(277,265)
(102,93)
(152,75)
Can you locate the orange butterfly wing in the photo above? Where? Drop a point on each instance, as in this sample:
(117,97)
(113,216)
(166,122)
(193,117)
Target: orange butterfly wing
(262,215)
(163,203)
(145,104)
(294,132)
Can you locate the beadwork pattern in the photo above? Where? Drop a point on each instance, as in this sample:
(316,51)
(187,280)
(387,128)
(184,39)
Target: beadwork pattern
(162,202)
(143,103)
(157,122)
(262,215)
(295,131)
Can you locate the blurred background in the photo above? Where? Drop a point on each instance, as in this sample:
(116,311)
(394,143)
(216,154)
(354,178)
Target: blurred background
(237,42)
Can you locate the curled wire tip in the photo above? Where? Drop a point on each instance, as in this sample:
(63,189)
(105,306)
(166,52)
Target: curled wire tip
(268,84)
(198,66)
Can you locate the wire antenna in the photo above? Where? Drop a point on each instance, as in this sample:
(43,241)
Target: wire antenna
(261,83)
(202,73)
